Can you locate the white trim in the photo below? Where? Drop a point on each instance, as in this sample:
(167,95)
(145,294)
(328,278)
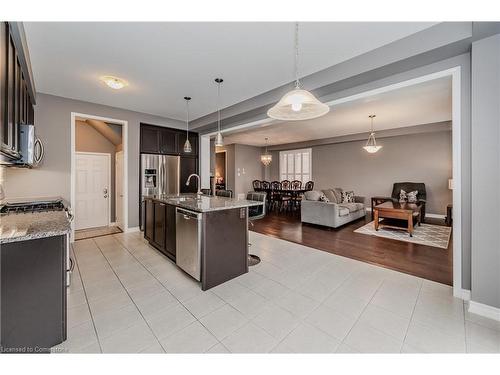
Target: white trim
(484,310)
(124,125)
(435,216)
(133,229)
(112,224)
(465,294)
(225,167)
(108,155)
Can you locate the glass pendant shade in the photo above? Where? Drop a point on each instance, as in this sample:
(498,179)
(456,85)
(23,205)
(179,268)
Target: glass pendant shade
(187,146)
(371,145)
(296,105)
(219,142)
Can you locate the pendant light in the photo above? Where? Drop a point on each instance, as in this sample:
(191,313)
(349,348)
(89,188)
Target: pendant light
(371,145)
(266,158)
(298,104)
(187,145)
(218,138)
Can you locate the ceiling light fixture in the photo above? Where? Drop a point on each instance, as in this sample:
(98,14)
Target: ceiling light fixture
(266,158)
(298,104)
(114,82)
(187,145)
(371,145)
(218,138)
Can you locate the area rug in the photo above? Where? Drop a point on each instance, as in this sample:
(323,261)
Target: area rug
(426,234)
(83,234)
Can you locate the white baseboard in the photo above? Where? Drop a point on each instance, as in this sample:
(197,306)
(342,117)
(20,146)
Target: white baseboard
(484,310)
(462,294)
(435,216)
(112,224)
(132,229)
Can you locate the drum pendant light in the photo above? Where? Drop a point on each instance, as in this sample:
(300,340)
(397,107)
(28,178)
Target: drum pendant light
(218,138)
(298,104)
(187,145)
(371,145)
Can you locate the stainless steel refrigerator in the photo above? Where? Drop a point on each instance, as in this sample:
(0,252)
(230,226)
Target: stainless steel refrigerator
(160,174)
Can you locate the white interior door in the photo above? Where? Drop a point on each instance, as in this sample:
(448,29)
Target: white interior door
(119,189)
(93,177)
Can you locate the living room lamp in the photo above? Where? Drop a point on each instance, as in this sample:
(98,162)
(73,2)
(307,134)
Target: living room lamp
(266,158)
(298,104)
(371,145)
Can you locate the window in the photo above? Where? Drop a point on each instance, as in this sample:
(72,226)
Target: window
(296,165)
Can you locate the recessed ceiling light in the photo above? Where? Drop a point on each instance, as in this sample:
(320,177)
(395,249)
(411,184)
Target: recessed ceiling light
(114,82)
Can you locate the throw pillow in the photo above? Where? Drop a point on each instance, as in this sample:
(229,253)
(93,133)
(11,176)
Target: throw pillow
(312,195)
(323,198)
(338,194)
(330,195)
(410,197)
(348,197)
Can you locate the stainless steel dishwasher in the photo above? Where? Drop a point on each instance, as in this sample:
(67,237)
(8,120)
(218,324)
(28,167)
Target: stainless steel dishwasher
(188,241)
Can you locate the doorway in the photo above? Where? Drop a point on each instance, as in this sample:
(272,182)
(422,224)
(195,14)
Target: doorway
(220,170)
(98,175)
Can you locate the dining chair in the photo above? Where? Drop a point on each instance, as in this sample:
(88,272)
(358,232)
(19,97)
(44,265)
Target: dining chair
(255,213)
(296,196)
(224,193)
(257,185)
(296,184)
(286,185)
(309,185)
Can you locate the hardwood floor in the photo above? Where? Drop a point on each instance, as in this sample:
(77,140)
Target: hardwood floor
(419,260)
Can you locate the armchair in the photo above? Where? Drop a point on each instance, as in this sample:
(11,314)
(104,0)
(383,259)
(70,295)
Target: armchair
(411,186)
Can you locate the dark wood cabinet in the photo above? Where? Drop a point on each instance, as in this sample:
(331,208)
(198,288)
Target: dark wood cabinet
(150,140)
(189,165)
(149,224)
(159,227)
(159,224)
(168,141)
(170,235)
(17,101)
(33,298)
(161,140)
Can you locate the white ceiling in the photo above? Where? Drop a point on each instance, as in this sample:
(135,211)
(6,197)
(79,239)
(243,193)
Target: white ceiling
(166,61)
(419,104)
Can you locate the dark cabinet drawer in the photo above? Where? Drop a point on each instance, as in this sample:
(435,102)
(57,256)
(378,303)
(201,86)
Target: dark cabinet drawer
(149,224)
(170,231)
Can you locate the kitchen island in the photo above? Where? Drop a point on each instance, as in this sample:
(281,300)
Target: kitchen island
(206,236)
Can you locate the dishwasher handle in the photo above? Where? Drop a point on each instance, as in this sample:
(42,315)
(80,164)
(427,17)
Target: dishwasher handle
(188,215)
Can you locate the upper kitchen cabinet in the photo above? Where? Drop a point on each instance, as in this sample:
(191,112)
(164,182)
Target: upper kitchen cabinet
(162,140)
(17,95)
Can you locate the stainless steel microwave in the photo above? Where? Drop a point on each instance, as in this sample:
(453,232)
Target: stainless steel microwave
(30,147)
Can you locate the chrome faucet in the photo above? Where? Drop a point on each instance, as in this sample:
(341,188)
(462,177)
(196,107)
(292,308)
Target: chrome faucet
(198,193)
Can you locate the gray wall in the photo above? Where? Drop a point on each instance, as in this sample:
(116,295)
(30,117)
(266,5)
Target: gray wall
(90,140)
(423,157)
(53,126)
(486,171)
(247,167)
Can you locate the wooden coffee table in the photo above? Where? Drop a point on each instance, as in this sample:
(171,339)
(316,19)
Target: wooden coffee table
(398,211)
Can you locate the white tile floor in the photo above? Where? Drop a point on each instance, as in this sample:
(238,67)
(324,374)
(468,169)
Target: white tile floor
(126,297)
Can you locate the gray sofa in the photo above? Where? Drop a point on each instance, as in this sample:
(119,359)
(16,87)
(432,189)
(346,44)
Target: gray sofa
(333,213)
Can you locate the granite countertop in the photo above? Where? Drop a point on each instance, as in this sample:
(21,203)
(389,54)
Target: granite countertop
(204,203)
(30,226)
